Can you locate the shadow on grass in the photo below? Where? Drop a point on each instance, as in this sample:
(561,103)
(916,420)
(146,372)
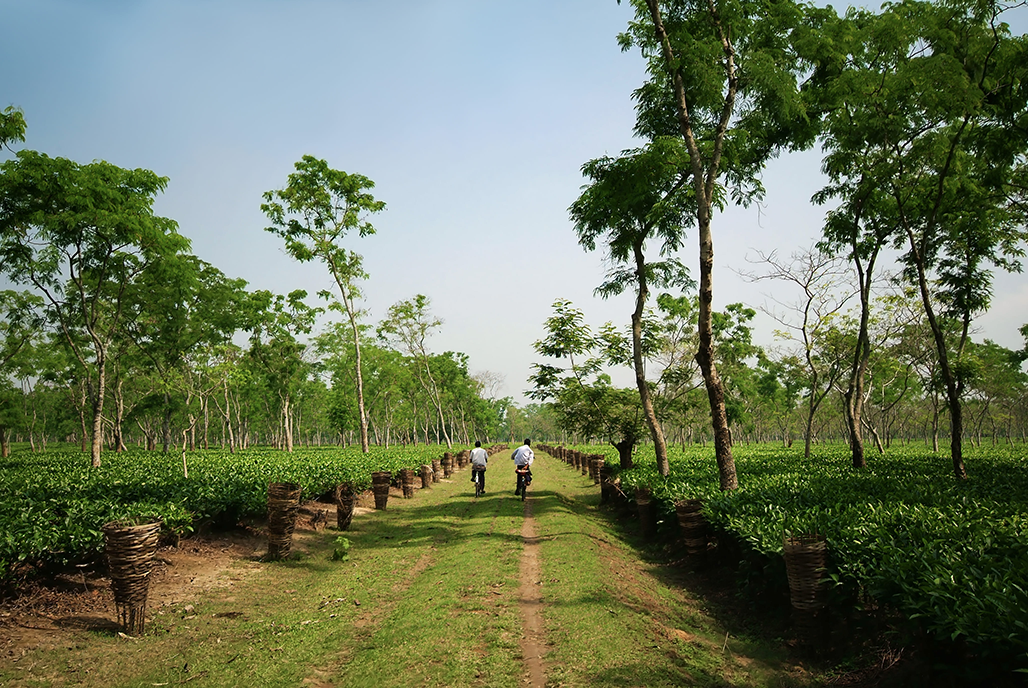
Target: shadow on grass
(761,614)
(680,673)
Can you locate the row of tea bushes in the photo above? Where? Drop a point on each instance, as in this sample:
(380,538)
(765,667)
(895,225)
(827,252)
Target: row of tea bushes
(949,556)
(53,504)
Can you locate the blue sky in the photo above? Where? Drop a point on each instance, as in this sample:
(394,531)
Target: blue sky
(472,117)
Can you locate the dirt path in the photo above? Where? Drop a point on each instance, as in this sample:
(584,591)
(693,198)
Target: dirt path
(533,643)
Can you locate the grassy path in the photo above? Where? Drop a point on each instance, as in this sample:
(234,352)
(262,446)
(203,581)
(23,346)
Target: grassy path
(441,590)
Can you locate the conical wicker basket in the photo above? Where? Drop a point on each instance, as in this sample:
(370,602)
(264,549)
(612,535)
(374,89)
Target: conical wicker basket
(693,525)
(380,487)
(130,546)
(344,505)
(283,504)
(805,559)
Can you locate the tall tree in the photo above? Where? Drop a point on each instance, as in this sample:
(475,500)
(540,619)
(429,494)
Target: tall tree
(176,307)
(808,320)
(859,227)
(81,234)
(274,322)
(316,210)
(408,326)
(585,402)
(641,195)
(928,106)
(724,78)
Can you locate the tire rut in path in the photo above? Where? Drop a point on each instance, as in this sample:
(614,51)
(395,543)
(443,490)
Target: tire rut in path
(531,600)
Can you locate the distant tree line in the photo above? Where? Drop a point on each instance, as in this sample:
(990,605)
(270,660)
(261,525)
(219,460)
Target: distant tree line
(793,391)
(119,335)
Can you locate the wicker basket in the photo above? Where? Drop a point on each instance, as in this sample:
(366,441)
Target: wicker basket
(407,483)
(283,503)
(607,487)
(130,546)
(344,506)
(380,486)
(805,559)
(693,525)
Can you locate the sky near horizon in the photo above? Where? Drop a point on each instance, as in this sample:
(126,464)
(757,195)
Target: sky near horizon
(472,118)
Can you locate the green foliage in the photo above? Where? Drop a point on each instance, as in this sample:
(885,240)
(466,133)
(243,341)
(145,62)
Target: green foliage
(12,126)
(341,551)
(53,505)
(641,195)
(94,220)
(82,236)
(584,401)
(948,554)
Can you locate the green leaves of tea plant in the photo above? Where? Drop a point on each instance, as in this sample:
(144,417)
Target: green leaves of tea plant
(53,504)
(950,555)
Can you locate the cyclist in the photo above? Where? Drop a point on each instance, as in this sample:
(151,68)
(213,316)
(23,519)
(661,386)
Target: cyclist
(479,459)
(523,457)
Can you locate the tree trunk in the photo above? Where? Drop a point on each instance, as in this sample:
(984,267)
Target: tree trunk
(875,435)
(205,402)
(854,395)
(659,444)
(84,440)
(810,428)
(704,181)
(464,426)
(624,448)
(119,417)
(166,425)
(360,386)
(228,421)
(351,313)
(854,409)
(287,424)
(715,389)
(953,388)
(98,407)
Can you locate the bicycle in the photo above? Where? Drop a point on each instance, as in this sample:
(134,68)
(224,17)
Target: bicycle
(476,477)
(524,480)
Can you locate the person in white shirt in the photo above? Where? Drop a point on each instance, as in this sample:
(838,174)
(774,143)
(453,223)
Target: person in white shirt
(523,457)
(479,460)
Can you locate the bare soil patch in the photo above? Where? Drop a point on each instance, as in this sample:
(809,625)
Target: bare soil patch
(47,609)
(533,643)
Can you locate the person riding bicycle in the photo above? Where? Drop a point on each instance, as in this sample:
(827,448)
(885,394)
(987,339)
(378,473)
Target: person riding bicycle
(523,457)
(479,459)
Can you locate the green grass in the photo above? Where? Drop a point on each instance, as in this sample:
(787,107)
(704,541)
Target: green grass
(429,596)
(615,620)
